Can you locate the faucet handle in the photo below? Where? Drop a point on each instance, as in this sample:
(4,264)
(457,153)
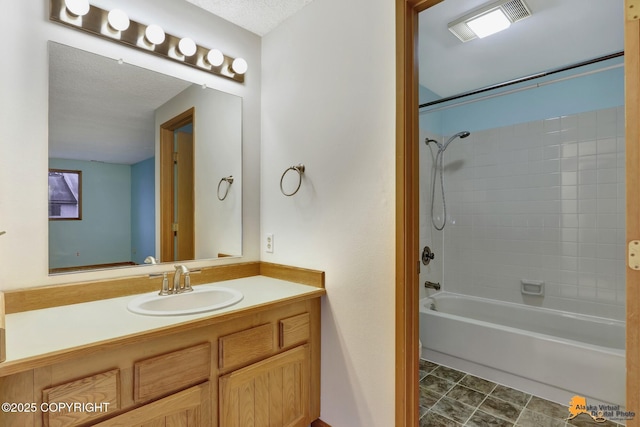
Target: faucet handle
(165,285)
(187,283)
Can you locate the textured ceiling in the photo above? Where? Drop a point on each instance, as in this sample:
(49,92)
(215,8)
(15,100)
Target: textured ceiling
(102,110)
(257,16)
(558,33)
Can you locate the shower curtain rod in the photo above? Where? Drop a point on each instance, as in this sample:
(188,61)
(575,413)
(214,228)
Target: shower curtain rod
(524,79)
(519,89)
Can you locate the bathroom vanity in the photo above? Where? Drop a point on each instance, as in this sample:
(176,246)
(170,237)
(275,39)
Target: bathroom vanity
(96,363)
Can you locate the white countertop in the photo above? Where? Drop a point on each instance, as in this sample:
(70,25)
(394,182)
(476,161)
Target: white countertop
(39,332)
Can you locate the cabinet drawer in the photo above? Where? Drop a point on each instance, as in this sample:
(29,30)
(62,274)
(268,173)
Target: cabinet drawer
(86,399)
(294,330)
(245,346)
(170,372)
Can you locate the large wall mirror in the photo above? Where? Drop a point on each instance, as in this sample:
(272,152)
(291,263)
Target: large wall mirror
(116,123)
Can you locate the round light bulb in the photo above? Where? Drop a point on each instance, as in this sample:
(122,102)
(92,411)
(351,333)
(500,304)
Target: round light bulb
(154,34)
(215,57)
(77,7)
(239,66)
(118,20)
(187,47)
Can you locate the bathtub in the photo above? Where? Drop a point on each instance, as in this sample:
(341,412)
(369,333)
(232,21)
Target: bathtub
(576,354)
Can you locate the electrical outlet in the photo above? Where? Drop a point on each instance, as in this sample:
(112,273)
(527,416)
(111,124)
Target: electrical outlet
(269,242)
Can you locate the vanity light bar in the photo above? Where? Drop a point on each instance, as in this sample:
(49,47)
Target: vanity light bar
(96,21)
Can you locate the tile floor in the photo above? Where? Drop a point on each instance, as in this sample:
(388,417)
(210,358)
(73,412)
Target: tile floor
(451,398)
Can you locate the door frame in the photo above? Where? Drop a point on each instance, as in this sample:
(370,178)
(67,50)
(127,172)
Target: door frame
(407,212)
(167,198)
(632,165)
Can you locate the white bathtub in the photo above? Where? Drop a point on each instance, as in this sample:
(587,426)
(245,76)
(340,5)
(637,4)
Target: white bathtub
(582,355)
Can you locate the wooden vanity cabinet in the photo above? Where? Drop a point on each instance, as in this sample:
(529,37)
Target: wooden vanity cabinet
(256,367)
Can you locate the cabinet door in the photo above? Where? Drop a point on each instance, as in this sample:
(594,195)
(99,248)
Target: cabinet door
(271,393)
(188,408)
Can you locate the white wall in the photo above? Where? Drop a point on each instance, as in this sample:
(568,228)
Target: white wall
(23,118)
(218,153)
(328,101)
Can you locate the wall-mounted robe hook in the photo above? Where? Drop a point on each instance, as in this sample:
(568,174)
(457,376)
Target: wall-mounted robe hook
(229,181)
(300,170)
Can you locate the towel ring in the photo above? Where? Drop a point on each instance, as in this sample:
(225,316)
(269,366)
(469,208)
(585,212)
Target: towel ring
(228,180)
(298,168)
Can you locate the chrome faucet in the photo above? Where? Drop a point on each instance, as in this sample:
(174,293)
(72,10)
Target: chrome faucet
(181,270)
(432,285)
(150,260)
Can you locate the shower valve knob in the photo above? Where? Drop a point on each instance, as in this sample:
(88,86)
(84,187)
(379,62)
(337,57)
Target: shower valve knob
(427,255)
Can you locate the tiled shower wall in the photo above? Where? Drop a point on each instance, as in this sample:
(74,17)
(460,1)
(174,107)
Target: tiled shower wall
(542,200)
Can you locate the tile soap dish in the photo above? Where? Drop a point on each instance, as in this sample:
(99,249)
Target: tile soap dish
(532,287)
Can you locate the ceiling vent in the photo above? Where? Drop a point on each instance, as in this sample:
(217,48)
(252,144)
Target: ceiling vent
(503,13)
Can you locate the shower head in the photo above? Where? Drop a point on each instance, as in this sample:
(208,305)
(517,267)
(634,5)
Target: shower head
(460,135)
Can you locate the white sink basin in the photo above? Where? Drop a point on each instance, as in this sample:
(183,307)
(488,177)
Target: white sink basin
(200,300)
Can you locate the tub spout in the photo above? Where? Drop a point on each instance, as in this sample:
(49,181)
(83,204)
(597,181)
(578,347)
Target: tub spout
(432,285)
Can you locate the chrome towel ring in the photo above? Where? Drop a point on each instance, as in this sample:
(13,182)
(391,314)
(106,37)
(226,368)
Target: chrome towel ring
(298,168)
(229,181)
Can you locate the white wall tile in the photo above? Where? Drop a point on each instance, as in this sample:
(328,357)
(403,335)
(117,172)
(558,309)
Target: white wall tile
(587,148)
(550,208)
(609,145)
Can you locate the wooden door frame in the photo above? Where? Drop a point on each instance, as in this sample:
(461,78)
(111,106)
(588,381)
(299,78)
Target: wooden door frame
(632,165)
(166,179)
(407,212)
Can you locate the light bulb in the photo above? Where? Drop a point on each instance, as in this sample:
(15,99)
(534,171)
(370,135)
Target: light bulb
(118,20)
(77,7)
(239,66)
(215,57)
(154,34)
(187,47)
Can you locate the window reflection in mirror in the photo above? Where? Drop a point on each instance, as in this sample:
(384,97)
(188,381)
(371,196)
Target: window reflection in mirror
(104,120)
(65,194)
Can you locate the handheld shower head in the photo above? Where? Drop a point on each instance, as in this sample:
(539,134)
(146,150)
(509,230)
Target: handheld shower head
(460,135)
(438,167)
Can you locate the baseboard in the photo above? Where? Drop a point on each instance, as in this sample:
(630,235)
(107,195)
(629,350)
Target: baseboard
(319,423)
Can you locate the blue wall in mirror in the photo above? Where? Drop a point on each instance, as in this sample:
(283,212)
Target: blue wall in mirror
(112,195)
